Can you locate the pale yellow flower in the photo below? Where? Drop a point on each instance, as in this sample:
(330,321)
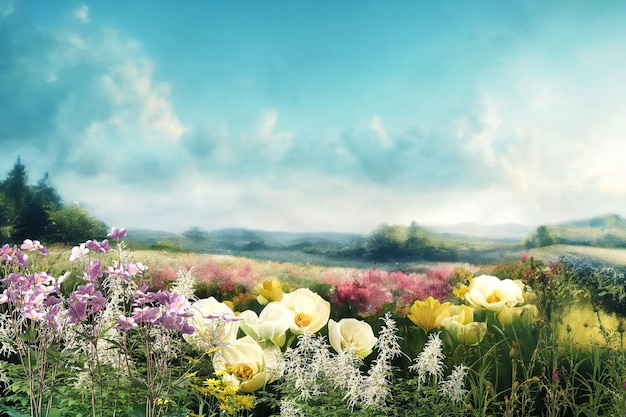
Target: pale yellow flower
(487,292)
(272,324)
(245,363)
(528,314)
(311,311)
(213,322)
(269,290)
(429,313)
(462,327)
(351,334)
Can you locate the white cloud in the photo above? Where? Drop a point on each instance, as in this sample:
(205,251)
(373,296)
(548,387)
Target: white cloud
(82,14)
(276,142)
(376,124)
(490,120)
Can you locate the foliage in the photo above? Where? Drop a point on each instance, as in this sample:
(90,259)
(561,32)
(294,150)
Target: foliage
(27,211)
(537,355)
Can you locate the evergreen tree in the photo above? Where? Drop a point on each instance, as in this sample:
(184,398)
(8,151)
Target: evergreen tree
(15,190)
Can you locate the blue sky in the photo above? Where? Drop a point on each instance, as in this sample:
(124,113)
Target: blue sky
(318,115)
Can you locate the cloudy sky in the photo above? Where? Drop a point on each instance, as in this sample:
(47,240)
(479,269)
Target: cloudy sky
(318,115)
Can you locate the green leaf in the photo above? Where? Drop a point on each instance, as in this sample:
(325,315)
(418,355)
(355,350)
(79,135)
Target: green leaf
(54,412)
(139,410)
(12,412)
(105,331)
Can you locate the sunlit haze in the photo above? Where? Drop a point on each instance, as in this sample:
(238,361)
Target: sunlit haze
(318,115)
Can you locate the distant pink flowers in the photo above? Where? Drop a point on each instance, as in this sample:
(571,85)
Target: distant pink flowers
(368,292)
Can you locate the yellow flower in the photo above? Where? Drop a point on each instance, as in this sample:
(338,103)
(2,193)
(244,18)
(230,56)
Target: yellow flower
(584,328)
(244,402)
(462,327)
(246,364)
(528,313)
(269,290)
(428,314)
(311,311)
(487,292)
(353,334)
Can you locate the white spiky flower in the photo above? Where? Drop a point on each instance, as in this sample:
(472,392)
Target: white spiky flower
(288,408)
(430,360)
(453,387)
(185,284)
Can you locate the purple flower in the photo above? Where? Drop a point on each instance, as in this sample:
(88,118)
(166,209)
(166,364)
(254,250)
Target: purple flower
(34,314)
(13,279)
(174,303)
(5,250)
(176,323)
(135,268)
(93,271)
(117,234)
(141,297)
(77,312)
(125,323)
(34,245)
(21,259)
(98,247)
(52,301)
(52,317)
(146,314)
(79,252)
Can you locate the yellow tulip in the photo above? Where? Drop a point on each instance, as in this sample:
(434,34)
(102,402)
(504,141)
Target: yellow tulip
(269,290)
(428,314)
(352,334)
(462,327)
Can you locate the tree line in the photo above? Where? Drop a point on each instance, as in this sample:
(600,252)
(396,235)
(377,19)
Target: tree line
(38,212)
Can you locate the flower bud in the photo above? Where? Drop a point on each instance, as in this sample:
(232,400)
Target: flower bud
(514,352)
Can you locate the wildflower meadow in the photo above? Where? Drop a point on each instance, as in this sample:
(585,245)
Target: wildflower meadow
(95,330)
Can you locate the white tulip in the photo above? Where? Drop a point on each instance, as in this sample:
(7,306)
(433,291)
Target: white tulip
(311,311)
(351,334)
(272,324)
(487,292)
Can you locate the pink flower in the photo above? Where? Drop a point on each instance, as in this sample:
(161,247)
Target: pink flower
(117,234)
(78,252)
(34,245)
(125,323)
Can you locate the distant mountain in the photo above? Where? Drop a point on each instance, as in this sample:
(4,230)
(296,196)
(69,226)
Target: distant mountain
(608,230)
(503,231)
(229,240)
(605,222)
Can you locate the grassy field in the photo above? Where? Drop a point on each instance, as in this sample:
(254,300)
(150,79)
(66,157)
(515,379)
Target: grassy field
(311,268)
(610,256)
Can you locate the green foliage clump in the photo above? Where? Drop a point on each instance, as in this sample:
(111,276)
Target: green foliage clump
(37,211)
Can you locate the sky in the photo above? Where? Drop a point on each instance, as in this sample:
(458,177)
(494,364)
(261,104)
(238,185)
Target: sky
(294,115)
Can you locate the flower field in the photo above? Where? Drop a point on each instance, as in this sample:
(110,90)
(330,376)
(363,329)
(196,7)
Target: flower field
(98,330)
